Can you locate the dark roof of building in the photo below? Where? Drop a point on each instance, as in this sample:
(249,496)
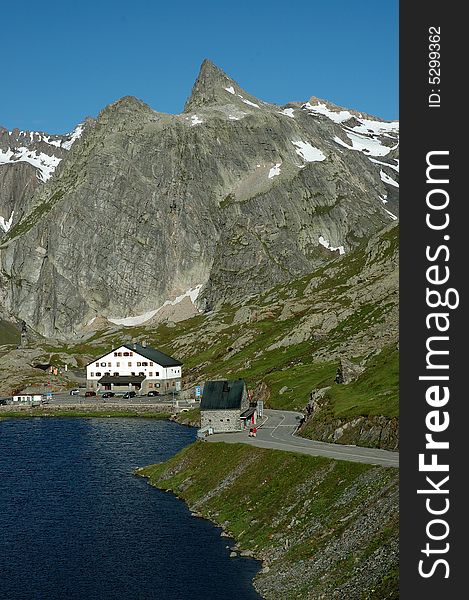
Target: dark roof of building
(151,353)
(154,355)
(122,379)
(248,412)
(222,395)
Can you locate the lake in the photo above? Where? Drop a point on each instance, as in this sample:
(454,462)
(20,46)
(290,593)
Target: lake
(75,523)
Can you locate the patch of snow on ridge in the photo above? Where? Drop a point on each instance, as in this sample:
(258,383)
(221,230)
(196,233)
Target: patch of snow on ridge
(274,171)
(379,162)
(393,217)
(192,293)
(368,126)
(6,224)
(45,164)
(230,90)
(387,179)
(249,102)
(368,145)
(195,120)
(74,135)
(307,152)
(321,109)
(322,240)
(287,112)
(137,320)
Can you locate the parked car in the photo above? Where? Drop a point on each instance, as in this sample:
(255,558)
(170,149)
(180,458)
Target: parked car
(153,393)
(4,401)
(74,392)
(108,395)
(90,393)
(129,395)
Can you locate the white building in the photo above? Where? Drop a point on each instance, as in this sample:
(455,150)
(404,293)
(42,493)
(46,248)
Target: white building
(135,367)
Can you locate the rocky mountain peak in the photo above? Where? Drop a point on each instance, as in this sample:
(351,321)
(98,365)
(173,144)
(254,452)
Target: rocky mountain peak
(210,87)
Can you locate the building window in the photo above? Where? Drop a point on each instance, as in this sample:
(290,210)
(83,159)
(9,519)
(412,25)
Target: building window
(98,374)
(115,353)
(150,385)
(142,373)
(210,420)
(126,353)
(91,374)
(116,374)
(118,364)
(97,364)
(103,364)
(157,373)
(151,364)
(221,420)
(132,374)
(157,384)
(108,364)
(227,420)
(129,364)
(131,353)
(139,364)
(150,374)
(144,364)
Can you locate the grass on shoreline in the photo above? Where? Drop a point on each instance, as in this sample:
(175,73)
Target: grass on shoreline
(290,510)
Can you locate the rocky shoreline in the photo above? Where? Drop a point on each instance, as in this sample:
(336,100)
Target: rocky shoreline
(86,410)
(321,528)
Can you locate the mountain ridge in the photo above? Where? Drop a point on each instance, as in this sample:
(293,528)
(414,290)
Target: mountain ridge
(233,195)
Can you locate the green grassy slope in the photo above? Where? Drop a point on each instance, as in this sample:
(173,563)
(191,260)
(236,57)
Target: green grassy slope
(9,334)
(303,516)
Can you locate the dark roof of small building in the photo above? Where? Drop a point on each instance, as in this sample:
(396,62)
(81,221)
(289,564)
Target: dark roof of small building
(122,379)
(154,355)
(248,412)
(222,394)
(151,353)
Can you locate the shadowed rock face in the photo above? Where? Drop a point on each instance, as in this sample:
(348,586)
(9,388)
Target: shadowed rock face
(233,194)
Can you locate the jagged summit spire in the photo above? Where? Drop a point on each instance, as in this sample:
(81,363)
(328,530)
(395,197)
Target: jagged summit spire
(210,86)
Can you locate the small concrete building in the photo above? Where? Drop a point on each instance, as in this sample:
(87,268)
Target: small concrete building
(223,402)
(135,367)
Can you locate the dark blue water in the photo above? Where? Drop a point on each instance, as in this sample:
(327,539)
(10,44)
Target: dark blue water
(75,523)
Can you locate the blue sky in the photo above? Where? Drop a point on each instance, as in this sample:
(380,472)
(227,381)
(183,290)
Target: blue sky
(67,59)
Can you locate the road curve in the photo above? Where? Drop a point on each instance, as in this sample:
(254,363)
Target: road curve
(278,433)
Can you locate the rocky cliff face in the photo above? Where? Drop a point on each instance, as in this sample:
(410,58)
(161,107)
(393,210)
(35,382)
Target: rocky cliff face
(27,160)
(222,201)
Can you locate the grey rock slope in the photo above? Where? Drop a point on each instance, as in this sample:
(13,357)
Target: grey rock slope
(28,159)
(224,200)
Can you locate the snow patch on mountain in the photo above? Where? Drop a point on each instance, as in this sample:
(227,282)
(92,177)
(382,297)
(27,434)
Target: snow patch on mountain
(387,179)
(5,224)
(379,162)
(195,120)
(307,152)
(287,112)
(322,240)
(44,163)
(393,217)
(321,109)
(274,171)
(191,293)
(73,136)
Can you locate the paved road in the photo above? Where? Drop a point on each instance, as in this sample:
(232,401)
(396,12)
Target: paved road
(278,431)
